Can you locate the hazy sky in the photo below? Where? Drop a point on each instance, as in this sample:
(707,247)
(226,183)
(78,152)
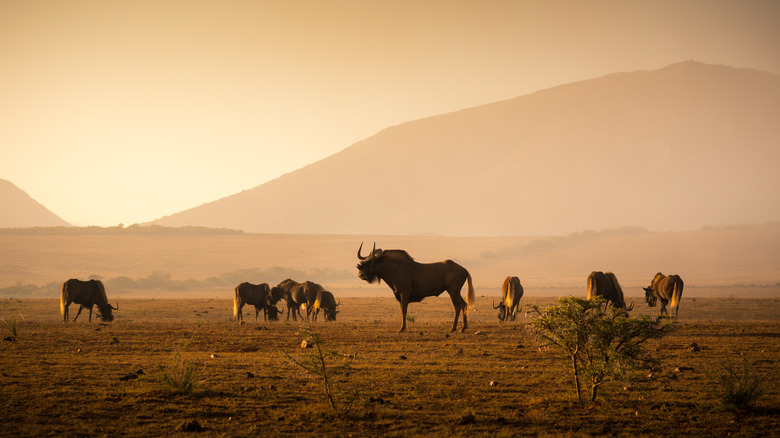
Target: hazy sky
(125,111)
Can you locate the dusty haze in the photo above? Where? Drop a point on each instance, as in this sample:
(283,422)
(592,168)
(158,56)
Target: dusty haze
(157,262)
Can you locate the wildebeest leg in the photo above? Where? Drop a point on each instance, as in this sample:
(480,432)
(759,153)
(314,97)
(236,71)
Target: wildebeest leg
(65,313)
(458,303)
(404,306)
(78,313)
(90,313)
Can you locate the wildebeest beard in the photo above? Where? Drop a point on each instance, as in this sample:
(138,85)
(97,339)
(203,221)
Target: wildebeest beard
(367,271)
(104,313)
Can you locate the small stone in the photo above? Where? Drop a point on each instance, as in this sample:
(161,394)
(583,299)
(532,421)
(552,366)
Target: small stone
(466,419)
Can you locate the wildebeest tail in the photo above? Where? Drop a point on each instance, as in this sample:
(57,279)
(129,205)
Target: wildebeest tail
(470,296)
(591,285)
(677,294)
(63,298)
(318,299)
(236,303)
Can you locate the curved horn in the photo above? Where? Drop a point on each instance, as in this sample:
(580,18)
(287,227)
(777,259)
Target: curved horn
(630,307)
(494,305)
(115,308)
(339,303)
(359,249)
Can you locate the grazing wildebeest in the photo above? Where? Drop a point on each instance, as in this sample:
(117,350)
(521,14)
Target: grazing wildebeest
(511,292)
(606,285)
(296,294)
(328,305)
(87,294)
(668,289)
(412,281)
(258,295)
(273,312)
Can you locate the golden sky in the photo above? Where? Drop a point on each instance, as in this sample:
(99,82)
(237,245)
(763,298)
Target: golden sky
(125,111)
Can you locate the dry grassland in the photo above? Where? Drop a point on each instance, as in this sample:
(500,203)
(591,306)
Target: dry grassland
(80,379)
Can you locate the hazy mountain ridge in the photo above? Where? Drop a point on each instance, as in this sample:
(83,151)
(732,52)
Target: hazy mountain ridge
(21,210)
(677,148)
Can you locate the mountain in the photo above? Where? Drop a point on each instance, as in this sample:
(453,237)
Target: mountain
(20,210)
(678,148)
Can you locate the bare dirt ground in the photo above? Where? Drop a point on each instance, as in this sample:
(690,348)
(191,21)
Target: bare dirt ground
(94,379)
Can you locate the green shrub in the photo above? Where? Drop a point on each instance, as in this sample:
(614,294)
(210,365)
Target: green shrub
(600,343)
(179,375)
(738,388)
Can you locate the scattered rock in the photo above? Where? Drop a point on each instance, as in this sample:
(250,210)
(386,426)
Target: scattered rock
(250,375)
(493,383)
(460,350)
(306,344)
(190,426)
(682,369)
(132,376)
(402,357)
(114,340)
(673,376)
(466,419)
(213,356)
(478,332)
(10,339)
(694,347)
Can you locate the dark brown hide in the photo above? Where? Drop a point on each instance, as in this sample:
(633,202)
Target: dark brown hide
(257,295)
(511,292)
(606,285)
(328,305)
(87,294)
(668,289)
(411,282)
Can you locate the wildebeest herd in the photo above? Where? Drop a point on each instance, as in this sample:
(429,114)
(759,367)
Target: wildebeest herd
(409,280)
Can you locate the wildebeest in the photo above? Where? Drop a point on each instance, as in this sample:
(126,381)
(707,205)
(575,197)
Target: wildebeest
(668,289)
(606,285)
(296,294)
(86,294)
(511,292)
(284,289)
(273,312)
(328,305)
(412,281)
(258,295)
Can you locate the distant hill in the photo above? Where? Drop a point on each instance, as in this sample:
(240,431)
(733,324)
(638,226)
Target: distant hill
(678,148)
(20,210)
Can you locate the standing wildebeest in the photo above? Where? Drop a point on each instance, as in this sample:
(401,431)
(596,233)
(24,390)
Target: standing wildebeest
(412,281)
(258,295)
(297,294)
(328,305)
(606,285)
(667,289)
(511,292)
(283,289)
(87,294)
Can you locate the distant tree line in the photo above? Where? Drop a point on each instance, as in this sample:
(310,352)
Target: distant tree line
(160,280)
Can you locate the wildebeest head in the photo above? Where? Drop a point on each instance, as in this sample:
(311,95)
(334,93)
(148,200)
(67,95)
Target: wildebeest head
(330,313)
(368,268)
(276,295)
(104,311)
(650,296)
(501,310)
